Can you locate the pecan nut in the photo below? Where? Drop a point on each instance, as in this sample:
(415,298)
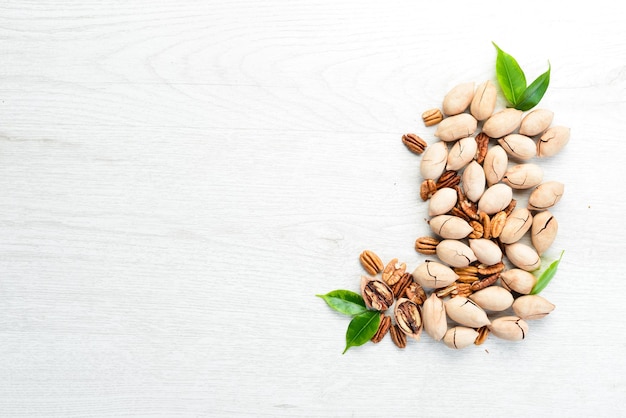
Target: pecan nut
(486,221)
(432,117)
(383,328)
(478,230)
(489,270)
(408,318)
(400,286)
(510,207)
(371,262)
(484,282)
(415,293)
(393,272)
(376,294)
(426,245)
(449,178)
(467,271)
(455,289)
(483,333)
(414,143)
(497,223)
(455,211)
(427,189)
(398,337)
(469,208)
(482,144)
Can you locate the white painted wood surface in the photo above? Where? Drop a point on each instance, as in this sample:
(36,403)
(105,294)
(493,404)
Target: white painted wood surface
(178,179)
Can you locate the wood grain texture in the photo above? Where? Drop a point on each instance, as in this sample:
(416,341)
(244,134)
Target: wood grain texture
(179,179)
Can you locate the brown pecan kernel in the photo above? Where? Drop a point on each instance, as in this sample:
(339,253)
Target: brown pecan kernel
(415,293)
(393,272)
(371,262)
(432,117)
(401,285)
(467,279)
(426,245)
(483,333)
(482,142)
(427,189)
(489,270)
(497,223)
(485,282)
(383,328)
(466,271)
(376,294)
(459,213)
(463,289)
(408,318)
(455,289)
(449,178)
(414,143)
(510,207)
(469,208)
(397,336)
(486,221)
(478,230)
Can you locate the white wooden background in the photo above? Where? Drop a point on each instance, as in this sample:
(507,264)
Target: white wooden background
(178,179)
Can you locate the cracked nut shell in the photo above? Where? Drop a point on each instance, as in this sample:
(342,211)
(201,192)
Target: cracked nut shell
(455,253)
(466,312)
(434,275)
(510,328)
(460,337)
(376,293)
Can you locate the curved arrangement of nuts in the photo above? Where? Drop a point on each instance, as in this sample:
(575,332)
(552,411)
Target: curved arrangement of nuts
(483,246)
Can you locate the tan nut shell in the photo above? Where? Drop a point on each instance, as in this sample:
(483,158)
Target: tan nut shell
(543,231)
(455,253)
(442,201)
(450,227)
(510,328)
(461,153)
(456,127)
(487,251)
(473,181)
(493,298)
(516,225)
(434,159)
(520,147)
(484,101)
(495,164)
(495,198)
(552,141)
(546,195)
(466,312)
(434,317)
(532,307)
(523,256)
(458,99)
(536,122)
(502,123)
(460,337)
(523,176)
(518,280)
(434,275)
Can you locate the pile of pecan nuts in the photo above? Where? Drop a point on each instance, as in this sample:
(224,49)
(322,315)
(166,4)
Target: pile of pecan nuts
(484,246)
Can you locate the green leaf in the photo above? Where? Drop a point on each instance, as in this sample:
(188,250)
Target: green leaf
(510,76)
(362,328)
(546,276)
(345,301)
(533,94)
